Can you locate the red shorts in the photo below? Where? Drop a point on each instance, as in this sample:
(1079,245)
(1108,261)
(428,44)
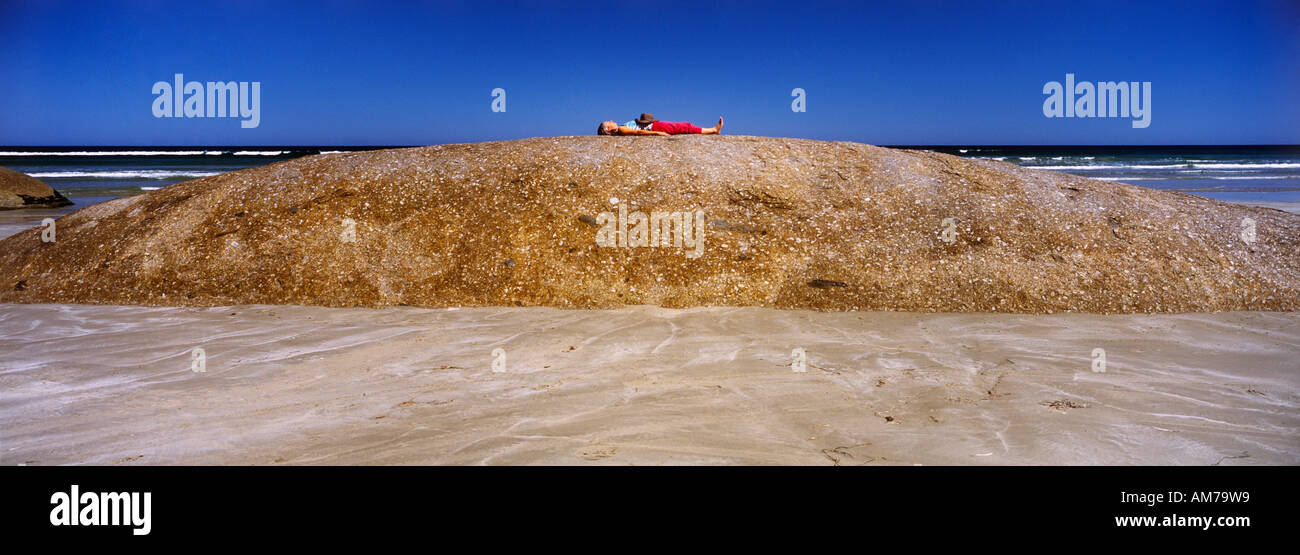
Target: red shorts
(675,127)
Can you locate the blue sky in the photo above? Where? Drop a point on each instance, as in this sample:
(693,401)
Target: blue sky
(397,73)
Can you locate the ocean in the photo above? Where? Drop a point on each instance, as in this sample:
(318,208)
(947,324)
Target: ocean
(1248,174)
(90,175)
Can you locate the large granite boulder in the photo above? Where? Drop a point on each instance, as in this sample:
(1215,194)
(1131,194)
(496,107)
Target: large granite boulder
(787,223)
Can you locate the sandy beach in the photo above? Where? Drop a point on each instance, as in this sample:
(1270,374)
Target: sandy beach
(642,386)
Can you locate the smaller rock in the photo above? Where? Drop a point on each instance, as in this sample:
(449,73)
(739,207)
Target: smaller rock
(19,190)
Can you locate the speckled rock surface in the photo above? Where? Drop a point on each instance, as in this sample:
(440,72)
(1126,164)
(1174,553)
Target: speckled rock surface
(19,190)
(790,224)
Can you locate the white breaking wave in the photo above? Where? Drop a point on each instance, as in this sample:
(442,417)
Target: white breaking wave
(1230,178)
(261,152)
(1225,166)
(1233,166)
(127,174)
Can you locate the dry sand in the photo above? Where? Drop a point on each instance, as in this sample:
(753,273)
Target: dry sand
(642,385)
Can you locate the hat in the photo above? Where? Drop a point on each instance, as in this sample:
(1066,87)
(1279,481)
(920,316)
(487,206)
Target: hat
(646,119)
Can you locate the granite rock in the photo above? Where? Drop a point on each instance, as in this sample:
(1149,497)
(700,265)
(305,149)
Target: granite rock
(792,224)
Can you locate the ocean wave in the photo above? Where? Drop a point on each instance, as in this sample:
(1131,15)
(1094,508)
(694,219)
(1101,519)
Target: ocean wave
(1210,178)
(127,174)
(1173,166)
(1235,166)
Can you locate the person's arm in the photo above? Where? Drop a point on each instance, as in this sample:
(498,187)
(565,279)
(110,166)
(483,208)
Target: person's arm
(625,130)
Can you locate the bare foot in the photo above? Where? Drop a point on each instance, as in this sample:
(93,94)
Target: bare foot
(715,130)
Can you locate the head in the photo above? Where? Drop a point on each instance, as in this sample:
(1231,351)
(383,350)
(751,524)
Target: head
(606,128)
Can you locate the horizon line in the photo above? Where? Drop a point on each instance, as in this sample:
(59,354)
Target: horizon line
(55,148)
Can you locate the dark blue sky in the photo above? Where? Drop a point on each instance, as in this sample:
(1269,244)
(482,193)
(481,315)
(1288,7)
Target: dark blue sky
(926,72)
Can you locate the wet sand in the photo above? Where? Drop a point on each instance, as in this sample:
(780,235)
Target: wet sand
(14,221)
(643,386)
(1292,207)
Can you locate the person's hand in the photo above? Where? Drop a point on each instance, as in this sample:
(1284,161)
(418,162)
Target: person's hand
(662,133)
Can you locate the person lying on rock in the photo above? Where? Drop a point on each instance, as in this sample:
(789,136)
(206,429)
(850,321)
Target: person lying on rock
(648,125)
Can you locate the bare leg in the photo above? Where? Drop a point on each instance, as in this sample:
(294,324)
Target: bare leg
(715,130)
